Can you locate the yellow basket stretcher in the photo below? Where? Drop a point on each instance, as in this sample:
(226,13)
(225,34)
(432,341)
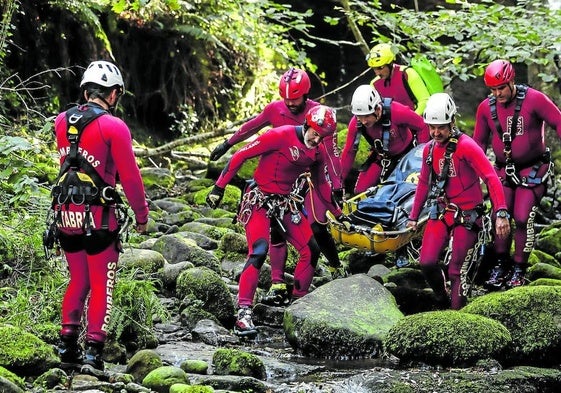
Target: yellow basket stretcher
(374,236)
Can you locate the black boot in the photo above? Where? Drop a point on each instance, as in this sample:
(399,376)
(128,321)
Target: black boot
(435,278)
(499,275)
(69,351)
(94,355)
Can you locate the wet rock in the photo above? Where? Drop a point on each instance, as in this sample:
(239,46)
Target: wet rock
(346,318)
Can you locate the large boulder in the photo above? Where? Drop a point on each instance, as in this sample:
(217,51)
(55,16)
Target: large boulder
(175,248)
(344,318)
(147,261)
(205,287)
(24,353)
(446,338)
(532,315)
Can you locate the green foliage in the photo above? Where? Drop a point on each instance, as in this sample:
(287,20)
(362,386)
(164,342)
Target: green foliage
(463,36)
(135,304)
(33,304)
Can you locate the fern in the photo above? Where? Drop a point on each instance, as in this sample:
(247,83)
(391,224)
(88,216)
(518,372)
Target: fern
(135,304)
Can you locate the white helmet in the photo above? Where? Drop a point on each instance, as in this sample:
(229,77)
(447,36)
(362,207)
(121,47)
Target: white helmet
(365,99)
(103,73)
(440,109)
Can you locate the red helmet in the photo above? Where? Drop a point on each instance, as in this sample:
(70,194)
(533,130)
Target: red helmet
(322,119)
(294,84)
(498,73)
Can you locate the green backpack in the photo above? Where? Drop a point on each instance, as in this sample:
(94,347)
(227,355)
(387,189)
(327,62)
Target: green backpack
(428,74)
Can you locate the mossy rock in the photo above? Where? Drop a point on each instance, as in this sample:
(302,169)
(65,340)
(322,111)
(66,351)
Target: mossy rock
(532,315)
(194,366)
(13,378)
(229,202)
(160,178)
(412,278)
(182,388)
(538,256)
(543,270)
(162,378)
(142,362)
(233,242)
(23,353)
(237,362)
(208,287)
(546,282)
(446,338)
(199,184)
(549,239)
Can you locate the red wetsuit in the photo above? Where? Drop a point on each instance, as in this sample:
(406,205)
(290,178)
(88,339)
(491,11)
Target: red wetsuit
(462,193)
(92,260)
(277,114)
(528,155)
(283,158)
(406,125)
(395,88)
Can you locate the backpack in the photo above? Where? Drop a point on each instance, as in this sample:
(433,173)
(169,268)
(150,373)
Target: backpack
(426,70)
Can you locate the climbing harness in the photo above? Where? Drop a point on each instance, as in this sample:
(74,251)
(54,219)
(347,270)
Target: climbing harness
(78,182)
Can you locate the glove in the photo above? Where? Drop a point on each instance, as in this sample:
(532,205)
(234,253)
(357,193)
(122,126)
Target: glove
(346,222)
(215,196)
(220,150)
(339,196)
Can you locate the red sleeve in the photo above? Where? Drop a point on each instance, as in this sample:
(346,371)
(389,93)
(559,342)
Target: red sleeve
(120,140)
(482,130)
(263,144)
(252,126)
(414,122)
(484,169)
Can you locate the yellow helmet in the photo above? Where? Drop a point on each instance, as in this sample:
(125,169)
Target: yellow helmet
(380,55)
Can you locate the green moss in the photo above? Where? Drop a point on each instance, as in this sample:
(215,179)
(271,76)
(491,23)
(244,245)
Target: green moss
(237,362)
(446,338)
(532,316)
(229,201)
(208,287)
(546,281)
(23,352)
(538,256)
(10,376)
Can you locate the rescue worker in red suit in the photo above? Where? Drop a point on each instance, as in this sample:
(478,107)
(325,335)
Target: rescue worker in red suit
(388,144)
(522,161)
(294,87)
(451,169)
(285,153)
(400,82)
(90,240)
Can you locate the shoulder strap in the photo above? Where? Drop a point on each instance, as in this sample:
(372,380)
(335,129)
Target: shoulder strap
(441,180)
(386,123)
(76,121)
(508,137)
(406,85)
